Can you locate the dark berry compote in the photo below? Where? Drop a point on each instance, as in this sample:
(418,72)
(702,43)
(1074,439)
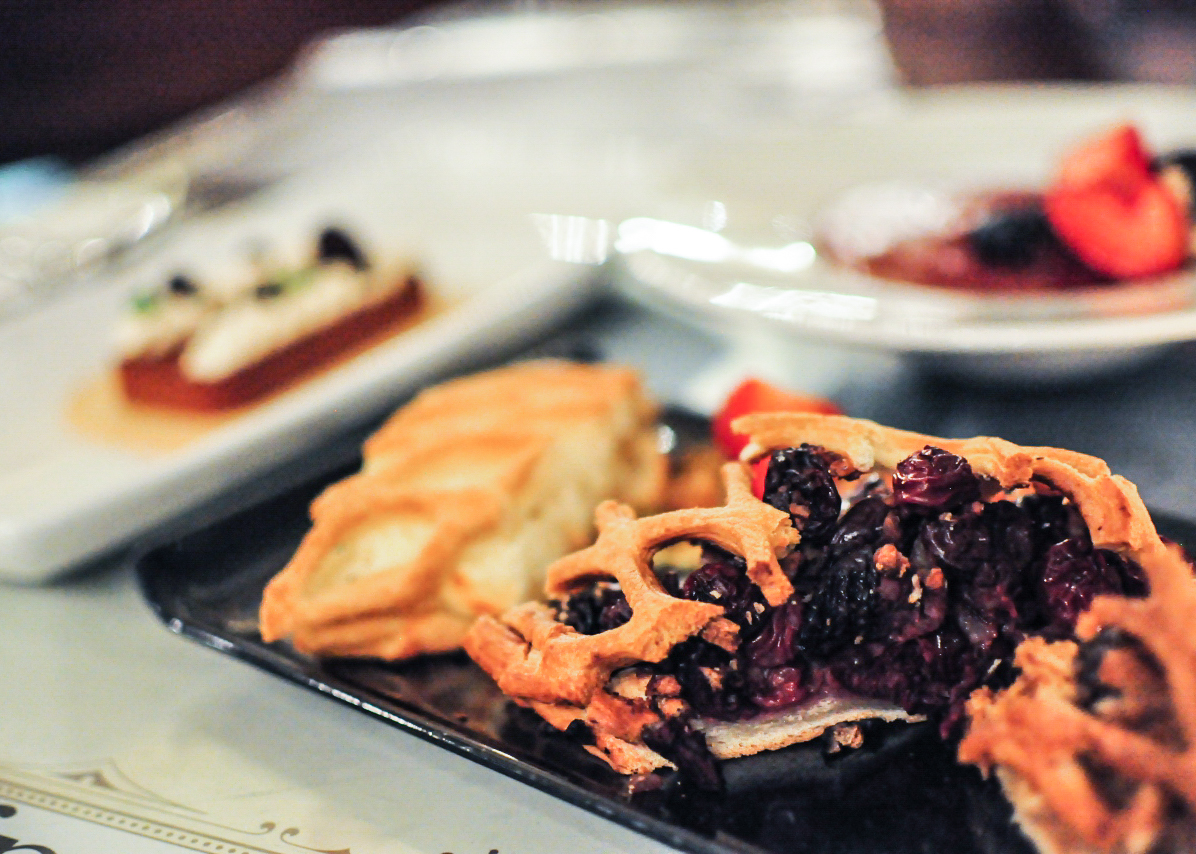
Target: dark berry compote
(1113,212)
(1002,243)
(912,589)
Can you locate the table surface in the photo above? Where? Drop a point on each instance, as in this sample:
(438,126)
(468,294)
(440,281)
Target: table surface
(116,734)
(110,715)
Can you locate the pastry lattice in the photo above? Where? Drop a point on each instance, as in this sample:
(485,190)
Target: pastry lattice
(563,674)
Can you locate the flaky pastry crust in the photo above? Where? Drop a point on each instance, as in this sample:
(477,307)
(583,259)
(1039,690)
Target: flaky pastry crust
(1046,746)
(564,675)
(464,497)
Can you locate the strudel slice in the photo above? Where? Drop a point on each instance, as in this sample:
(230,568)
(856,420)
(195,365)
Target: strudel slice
(465,496)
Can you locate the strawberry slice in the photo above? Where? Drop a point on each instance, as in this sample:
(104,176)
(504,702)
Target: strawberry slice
(754,395)
(759,475)
(1113,212)
(1118,157)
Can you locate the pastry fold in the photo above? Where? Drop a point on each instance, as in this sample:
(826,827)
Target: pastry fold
(465,495)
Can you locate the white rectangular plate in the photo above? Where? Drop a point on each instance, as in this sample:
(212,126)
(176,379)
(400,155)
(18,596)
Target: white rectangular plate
(69,492)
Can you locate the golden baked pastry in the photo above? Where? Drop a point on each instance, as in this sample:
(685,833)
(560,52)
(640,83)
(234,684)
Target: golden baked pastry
(465,495)
(855,572)
(1093,743)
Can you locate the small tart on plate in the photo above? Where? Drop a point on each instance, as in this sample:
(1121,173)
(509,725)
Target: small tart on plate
(465,496)
(856,572)
(217,342)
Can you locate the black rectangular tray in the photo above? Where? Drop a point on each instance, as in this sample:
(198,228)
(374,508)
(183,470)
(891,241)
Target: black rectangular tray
(906,793)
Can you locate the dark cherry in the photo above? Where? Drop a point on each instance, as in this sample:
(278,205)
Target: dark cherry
(843,603)
(987,548)
(777,642)
(1011,238)
(709,683)
(722,580)
(861,525)
(935,479)
(777,687)
(799,482)
(1054,519)
(685,747)
(959,545)
(1073,575)
(600,608)
(336,245)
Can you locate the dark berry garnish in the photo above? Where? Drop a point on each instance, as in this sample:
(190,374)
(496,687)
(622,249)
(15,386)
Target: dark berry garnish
(935,479)
(182,286)
(799,482)
(1011,238)
(336,245)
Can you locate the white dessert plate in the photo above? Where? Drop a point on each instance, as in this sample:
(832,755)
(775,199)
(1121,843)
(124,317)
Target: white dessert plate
(80,476)
(734,249)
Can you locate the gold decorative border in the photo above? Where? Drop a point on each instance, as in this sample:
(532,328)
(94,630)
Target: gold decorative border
(91,795)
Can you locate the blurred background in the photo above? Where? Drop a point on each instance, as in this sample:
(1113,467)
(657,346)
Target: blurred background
(511,142)
(78,80)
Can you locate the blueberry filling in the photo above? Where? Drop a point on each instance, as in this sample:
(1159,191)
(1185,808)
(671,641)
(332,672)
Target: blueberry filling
(603,607)
(916,593)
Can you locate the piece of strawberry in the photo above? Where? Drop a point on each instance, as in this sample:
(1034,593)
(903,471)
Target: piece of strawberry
(1116,157)
(760,475)
(1113,212)
(754,395)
